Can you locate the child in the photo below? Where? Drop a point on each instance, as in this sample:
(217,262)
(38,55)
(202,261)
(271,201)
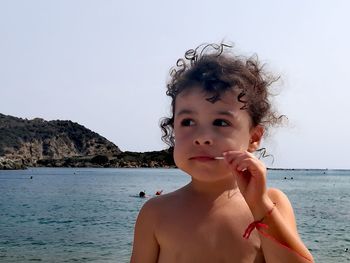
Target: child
(220,110)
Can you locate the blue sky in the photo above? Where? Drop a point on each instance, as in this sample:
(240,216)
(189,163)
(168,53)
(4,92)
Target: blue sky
(104,64)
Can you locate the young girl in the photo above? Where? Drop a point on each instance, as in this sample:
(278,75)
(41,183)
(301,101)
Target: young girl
(220,111)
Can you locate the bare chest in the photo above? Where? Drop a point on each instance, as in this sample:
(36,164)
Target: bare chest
(207,236)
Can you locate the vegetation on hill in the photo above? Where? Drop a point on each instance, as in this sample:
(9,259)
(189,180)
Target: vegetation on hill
(16,131)
(66,144)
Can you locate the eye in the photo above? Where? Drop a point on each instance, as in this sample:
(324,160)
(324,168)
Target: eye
(221,123)
(187,122)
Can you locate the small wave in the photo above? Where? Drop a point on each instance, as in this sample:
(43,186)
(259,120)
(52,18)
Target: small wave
(137,196)
(16,178)
(85,243)
(39,243)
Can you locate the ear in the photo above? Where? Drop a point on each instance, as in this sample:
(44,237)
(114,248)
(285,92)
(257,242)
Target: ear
(256,135)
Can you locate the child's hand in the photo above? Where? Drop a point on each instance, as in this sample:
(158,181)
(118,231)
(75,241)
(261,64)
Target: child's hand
(250,175)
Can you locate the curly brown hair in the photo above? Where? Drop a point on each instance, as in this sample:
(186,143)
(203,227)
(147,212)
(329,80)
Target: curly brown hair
(215,70)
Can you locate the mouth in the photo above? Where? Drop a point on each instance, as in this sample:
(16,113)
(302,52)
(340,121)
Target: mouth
(202,158)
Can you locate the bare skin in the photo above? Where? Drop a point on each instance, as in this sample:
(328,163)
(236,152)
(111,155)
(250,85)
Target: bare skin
(192,227)
(205,220)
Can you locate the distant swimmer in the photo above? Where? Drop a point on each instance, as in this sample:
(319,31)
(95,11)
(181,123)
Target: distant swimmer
(159,192)
(31,177)
(142,194)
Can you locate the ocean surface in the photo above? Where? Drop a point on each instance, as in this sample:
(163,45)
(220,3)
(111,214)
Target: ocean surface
(88,215)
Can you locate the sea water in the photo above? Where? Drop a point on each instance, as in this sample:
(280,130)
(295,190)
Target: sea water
(88,215)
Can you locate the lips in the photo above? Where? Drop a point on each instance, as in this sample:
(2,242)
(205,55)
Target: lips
(202,158)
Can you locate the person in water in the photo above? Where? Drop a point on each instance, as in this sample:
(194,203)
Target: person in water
(220,110)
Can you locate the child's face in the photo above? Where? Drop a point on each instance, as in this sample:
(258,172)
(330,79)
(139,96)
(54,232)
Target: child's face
(204,130)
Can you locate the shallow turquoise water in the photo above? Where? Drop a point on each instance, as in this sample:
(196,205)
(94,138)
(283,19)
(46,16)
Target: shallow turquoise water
(87,215)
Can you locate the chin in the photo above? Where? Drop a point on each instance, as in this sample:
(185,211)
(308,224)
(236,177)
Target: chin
(206,175)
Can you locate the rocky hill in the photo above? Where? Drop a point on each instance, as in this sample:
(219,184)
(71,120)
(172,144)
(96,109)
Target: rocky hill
(32,143)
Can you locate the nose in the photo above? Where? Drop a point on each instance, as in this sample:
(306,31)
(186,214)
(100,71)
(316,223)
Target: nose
(203,138)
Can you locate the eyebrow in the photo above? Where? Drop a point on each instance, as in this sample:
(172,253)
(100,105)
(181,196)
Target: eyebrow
(224,113)
(227,113)
(184,112)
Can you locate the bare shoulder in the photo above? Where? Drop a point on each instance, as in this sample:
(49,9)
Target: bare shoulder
(155,206)
(151,208)
(283,205)
(147,218)
(153,213)
(146,245)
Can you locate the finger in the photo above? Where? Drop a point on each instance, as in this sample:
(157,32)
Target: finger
(242,179)
(235,157)
(241,162)
(246,164)
(231,155)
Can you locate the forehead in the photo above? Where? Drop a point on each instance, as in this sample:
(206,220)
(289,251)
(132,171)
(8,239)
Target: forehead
(197,98)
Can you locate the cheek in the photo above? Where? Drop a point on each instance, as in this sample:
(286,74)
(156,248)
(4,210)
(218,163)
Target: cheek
(182,135)
(178,155)
(181,146)
(181,143)
(235,143)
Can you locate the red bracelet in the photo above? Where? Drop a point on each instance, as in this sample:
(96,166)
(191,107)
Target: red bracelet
(257,224)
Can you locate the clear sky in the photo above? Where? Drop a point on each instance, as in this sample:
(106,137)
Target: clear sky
(104,64)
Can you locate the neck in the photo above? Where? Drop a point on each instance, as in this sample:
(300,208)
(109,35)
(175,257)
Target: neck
(213,190)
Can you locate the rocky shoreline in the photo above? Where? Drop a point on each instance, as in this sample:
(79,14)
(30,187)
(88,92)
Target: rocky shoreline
(8,164)
(155,159)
